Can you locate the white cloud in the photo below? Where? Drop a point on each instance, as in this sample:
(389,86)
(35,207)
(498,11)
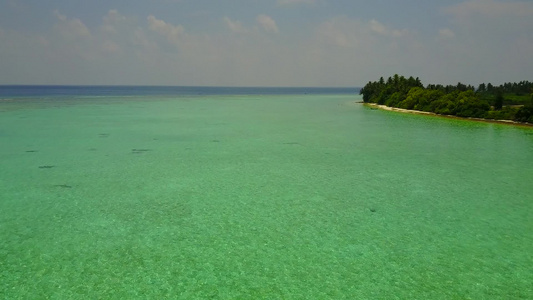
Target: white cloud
(113,17)
(71,28)
(334,32)
(173,33)
(378,27)
(121,34)
(358,49)
(340,51)
(59,16)
(139,38)
(384,30)
(268,24)
(399,32)
(234,26)
(446,33)
(110,47)
(112,20)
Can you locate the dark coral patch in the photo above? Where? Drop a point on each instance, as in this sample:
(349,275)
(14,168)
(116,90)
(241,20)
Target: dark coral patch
(46,167)
(65,186)
(139,151)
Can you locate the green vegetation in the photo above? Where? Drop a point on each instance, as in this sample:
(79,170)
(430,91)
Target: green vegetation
(510,101)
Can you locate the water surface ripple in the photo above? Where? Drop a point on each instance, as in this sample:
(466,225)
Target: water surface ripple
(279,196)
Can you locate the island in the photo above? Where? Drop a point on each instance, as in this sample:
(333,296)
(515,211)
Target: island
(509,101)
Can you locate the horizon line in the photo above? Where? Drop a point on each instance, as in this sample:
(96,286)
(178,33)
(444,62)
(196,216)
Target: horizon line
(150,85)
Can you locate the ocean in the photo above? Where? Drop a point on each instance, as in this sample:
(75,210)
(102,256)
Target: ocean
(256,193)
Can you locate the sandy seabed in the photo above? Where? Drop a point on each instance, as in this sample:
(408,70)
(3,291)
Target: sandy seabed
(259,197)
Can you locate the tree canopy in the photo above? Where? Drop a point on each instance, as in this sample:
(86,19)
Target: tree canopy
(458,100)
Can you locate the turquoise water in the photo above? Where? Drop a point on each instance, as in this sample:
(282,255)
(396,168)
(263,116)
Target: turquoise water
(260,197)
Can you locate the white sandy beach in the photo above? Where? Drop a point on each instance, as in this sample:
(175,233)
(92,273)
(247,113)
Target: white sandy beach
(418,112)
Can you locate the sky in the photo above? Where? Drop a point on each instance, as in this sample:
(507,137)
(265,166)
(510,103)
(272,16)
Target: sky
(326,43)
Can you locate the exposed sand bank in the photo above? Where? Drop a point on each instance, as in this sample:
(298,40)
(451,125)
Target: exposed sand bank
(418,112)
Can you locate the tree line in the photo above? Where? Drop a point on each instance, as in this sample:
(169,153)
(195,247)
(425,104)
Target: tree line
(509,101)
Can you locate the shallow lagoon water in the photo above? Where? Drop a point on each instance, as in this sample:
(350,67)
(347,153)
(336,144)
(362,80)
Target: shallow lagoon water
(260,197)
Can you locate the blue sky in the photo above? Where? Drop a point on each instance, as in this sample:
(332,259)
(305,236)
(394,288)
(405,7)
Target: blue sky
(264,42)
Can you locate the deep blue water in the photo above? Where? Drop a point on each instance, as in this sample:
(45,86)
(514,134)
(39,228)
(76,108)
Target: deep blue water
(69,90)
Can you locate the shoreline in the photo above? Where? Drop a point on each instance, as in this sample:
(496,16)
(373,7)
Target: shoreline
(418,112)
